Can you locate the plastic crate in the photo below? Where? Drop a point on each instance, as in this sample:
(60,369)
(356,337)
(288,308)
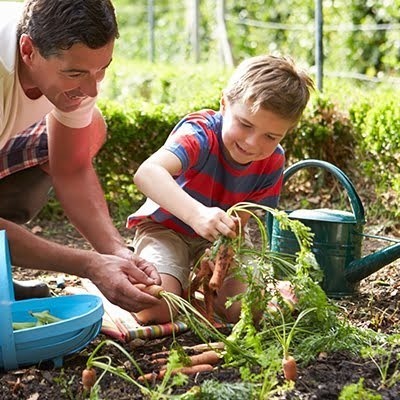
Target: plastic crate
(81,316)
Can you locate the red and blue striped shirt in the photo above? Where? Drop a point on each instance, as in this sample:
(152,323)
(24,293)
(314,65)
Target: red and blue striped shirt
(209,176)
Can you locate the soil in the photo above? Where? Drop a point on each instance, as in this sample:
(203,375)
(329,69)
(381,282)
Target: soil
(376,306)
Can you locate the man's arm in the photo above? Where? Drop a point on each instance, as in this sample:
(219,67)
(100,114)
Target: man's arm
(76,184)
(112,275)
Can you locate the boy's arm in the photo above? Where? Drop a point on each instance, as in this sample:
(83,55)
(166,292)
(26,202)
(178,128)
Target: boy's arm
(155,179)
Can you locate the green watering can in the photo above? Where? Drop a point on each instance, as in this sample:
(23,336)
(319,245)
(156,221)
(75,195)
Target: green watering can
(337,238)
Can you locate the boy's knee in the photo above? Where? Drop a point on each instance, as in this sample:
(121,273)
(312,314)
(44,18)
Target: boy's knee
(155,315)
(230,315)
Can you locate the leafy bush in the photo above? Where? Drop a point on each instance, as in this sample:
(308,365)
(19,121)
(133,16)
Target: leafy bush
(354,128)
(378,125)
(322,127)
(135,131)
(186,86)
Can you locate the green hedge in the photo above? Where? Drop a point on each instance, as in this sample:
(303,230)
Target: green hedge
(378,125)
(364,142)
(135,131)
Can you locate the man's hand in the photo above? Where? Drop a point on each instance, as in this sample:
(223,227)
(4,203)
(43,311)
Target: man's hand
(145,272)
(115,277)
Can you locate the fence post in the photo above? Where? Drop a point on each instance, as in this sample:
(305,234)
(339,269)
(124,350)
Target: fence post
(150,19)
(319,52)
(193,22)
(222,34)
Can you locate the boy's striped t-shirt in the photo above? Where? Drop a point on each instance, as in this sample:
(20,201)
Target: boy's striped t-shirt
(209,176)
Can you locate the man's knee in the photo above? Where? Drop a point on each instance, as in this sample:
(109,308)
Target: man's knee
(24,194)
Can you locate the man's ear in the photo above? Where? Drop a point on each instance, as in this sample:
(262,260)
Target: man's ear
(27,49)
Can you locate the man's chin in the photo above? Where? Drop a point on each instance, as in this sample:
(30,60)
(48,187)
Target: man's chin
(68,107)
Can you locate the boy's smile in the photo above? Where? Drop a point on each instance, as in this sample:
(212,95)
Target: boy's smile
(250,136)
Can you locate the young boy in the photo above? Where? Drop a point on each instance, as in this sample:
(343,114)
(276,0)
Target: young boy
(211,161)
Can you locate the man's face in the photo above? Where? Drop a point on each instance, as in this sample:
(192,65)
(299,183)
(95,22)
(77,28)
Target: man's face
(65,79)
(251,136)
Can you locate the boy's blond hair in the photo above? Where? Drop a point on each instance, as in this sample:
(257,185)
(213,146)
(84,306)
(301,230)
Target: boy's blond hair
(272,83)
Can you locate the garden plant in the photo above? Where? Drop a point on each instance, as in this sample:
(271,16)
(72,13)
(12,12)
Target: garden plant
(298,322)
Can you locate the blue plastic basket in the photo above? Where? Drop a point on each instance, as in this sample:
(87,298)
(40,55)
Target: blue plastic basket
(81,316)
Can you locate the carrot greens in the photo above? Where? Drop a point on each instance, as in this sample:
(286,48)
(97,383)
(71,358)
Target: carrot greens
(283,299)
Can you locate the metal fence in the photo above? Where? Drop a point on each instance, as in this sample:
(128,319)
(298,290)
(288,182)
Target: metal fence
(196,41)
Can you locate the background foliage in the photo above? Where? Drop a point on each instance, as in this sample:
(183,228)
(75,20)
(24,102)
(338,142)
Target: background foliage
(355,128)
(353,124)
(359,36)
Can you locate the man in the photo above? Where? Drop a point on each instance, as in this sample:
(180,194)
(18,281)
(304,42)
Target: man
(53,55)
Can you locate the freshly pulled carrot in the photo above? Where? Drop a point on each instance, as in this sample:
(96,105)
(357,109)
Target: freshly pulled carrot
(203,270)
(183,370)
(289,366)
(208,299)
(159,354)
(207,346)
(88,378)
(197,348)
(223,262)
(207,357)
(160,361)
(153,290)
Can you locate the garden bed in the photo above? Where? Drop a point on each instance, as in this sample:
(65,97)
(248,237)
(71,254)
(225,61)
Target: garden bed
(375,306)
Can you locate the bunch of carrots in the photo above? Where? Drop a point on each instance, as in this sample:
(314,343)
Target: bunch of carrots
(204,359)
(214,267)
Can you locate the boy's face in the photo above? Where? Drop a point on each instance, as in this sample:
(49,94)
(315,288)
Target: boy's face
(66,79)
(249,136)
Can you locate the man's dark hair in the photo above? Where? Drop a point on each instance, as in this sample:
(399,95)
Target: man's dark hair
(56,25)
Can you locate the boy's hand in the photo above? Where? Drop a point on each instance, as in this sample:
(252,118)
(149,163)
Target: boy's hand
(211,222)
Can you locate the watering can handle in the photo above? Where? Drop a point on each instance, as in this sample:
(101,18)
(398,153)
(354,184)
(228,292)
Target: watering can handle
(355,201)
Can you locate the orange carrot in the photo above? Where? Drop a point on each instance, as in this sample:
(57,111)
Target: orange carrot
(183,370)
(203,270)
(153,290)
(152,376)
(208,357)
(223,262)
(208,299)
(88,378)
(158,354)
(289,366)
(197,348)
(160,361)
(207,346)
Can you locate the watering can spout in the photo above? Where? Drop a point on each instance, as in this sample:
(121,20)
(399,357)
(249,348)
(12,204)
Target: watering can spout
(360,269)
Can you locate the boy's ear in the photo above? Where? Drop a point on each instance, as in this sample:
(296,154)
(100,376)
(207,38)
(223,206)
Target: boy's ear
(222,103)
